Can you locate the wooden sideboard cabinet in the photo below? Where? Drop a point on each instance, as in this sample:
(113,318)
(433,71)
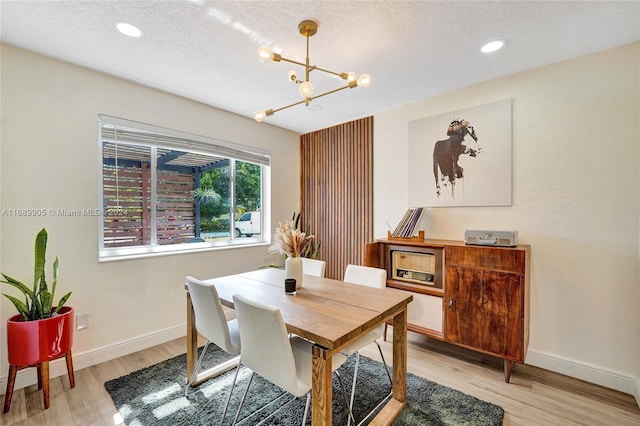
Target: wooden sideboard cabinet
(482,302)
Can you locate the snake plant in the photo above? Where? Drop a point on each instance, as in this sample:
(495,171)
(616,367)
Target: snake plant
(38,301)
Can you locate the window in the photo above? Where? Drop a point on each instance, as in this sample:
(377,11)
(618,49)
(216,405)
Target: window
(166,191)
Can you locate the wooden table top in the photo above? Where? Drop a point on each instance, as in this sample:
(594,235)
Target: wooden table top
(329,312)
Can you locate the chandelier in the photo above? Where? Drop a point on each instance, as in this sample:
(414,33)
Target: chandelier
(307,29)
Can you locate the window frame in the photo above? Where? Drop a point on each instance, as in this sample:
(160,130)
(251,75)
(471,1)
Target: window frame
(191,143)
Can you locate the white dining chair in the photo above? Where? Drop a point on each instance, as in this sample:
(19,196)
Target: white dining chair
(211,322)
(370,277)
(268,351)
(313,267)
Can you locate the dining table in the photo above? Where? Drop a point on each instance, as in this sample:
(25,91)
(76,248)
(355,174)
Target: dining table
(330,313)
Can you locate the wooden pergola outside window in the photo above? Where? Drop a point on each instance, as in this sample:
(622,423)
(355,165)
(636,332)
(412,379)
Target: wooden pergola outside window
(156,182)
(127,195)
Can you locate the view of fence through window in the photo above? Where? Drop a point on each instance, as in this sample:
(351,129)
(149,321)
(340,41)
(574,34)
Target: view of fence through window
(157,193)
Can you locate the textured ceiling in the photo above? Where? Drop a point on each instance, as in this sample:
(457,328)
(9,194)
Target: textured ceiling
(206,50)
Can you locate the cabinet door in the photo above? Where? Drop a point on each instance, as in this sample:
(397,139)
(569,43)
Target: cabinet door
(483,311)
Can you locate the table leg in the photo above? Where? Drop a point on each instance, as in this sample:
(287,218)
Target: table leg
(321,397)
(400,356)
(192,338)
(399,397)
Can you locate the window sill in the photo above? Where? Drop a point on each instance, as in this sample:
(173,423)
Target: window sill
(114,255)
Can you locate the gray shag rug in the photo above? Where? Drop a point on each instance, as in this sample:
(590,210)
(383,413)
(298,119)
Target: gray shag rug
(155,396)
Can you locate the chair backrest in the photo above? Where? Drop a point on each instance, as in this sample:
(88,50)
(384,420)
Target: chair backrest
(313,267)
(366,275)
(211,321)
(266,348)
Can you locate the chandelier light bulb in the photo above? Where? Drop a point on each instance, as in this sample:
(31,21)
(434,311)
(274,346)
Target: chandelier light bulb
(293,76)
(306,89)
(364,80)
(351,76)
(265,54)
(260,116)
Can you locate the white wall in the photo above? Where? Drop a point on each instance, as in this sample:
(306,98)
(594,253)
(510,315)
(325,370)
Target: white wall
(576,193)
(576,186)
(50,159)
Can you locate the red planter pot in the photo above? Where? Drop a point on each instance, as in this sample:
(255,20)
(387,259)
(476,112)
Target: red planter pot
(33,342)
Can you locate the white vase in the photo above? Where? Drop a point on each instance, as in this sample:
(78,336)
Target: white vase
(293,269)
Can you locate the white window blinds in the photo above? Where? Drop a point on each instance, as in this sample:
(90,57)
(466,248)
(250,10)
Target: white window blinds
(145,134)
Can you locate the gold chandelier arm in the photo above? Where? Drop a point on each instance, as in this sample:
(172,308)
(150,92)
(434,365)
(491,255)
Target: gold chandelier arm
(306,64)
(288,106)
(302,64)
(351,85)
(342,75)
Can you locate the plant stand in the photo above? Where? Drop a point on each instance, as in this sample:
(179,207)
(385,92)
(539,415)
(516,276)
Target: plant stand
(43,380)
(35,344)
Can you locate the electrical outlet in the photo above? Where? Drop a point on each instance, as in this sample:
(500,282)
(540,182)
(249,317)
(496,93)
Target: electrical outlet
(82,321)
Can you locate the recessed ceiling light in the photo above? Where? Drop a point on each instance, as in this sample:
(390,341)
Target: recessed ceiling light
(492,46)
(128,29)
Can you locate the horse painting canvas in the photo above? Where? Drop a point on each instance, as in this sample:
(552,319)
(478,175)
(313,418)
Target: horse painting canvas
(461,158)
(446,152)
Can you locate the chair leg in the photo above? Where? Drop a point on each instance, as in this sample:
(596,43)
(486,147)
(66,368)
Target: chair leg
(263,421)
(233,385)
(235,419)
(386,367)
(355,379)
(72,377)
(11,381)
(44,377)
(195,370)
(344,397)
(385,332)
(306,409)
(353,386)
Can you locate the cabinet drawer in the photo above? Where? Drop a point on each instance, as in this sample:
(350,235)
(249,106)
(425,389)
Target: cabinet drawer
(492,258)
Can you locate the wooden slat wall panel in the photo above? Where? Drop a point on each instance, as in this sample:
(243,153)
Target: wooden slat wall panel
(337,192)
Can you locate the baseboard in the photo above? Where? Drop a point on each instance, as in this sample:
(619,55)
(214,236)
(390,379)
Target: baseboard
(593,374)
(27,377)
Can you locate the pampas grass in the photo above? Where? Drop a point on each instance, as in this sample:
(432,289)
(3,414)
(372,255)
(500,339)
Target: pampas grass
(290,241)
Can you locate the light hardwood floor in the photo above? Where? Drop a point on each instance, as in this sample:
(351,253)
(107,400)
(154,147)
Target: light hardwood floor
(534,396)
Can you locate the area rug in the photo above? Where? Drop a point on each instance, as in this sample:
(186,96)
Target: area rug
(155,396)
